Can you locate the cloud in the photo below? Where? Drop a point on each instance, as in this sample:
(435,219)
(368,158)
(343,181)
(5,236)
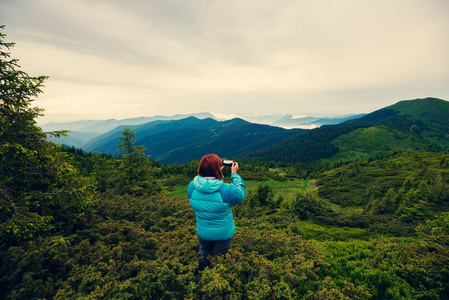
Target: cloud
(133,58)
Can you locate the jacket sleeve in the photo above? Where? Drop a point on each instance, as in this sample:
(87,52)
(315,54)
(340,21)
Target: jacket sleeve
(234,193)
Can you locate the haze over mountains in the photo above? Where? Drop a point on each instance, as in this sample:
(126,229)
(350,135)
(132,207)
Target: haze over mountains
(416,124)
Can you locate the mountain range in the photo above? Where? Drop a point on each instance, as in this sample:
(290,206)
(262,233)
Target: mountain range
(416,124)
(81,132)
(190,138)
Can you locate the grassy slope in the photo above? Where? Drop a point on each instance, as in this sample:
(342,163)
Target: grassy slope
(430,110)
(284,188)
(367,142)
(433,112)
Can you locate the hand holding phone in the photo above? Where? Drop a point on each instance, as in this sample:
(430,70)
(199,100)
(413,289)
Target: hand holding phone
(234,167)
(227,162)
(231,163)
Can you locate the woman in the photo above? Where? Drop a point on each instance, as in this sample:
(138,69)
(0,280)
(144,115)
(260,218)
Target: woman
(211,200)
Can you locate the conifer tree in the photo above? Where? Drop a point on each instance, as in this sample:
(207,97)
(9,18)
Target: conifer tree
(126,146)
(137,172)
(39,190)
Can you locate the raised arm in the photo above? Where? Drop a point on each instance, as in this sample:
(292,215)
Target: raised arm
(234,193)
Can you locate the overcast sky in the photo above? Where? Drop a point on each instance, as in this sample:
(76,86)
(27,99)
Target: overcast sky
(122,59)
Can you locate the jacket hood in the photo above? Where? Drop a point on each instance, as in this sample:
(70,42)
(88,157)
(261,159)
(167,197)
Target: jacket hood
(206,185)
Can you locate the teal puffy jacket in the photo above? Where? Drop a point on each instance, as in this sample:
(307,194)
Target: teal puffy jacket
(211,200)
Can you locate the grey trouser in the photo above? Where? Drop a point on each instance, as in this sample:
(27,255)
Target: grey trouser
(213,247)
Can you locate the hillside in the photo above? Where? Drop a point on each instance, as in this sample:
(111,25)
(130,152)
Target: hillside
(82,132)
(107,143)
(428,117)
(407,185)
(414,124)
(432,111)
(372,229)
(367,142)
(308,147)
(191,138)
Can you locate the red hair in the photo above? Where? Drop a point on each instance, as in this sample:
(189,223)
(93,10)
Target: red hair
(210,166)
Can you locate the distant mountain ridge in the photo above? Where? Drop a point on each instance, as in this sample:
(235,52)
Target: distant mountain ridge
(178,141)
(81,132)
(103,126)
(107,142)
(280,120)
(416,124)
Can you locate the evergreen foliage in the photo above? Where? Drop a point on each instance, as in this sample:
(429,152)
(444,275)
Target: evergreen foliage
(145,247)
(409,185)
(39,190)
(133,173)
(307,147)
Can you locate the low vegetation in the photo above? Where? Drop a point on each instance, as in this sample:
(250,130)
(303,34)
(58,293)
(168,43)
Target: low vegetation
(296,237)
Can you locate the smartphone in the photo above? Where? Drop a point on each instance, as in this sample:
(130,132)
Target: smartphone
(227,162)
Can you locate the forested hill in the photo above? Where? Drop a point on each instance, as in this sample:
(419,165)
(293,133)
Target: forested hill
(190,138)
(107,142)
(421,124)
